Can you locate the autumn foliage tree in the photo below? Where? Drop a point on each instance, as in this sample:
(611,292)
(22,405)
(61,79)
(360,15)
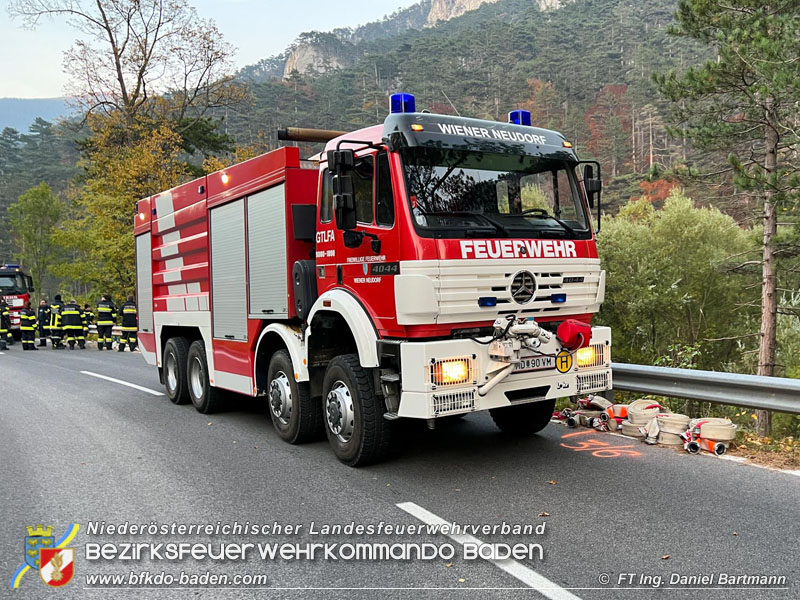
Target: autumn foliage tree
(99,230)
(608,120)
(148,75)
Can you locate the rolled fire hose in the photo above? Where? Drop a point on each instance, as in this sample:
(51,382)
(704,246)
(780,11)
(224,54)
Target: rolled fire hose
(630,429)
(671,426)
(673,423)
(641,412)
(712,428)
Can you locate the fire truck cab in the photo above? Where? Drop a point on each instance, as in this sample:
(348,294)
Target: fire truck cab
(16,288)
(429,266)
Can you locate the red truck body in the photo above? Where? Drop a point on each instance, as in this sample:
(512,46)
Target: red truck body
(16,288)
(249,262)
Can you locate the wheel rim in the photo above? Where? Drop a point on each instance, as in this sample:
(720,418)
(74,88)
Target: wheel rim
(280,398)
(196,378)
(339,411)
(172,372)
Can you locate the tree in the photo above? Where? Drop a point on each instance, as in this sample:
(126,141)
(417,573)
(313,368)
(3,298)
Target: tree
(608,120)
(99,230)
(668,282)
(745,103)
(33,220)
(142,58)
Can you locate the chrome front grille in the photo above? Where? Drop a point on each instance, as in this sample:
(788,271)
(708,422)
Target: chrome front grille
(459,284)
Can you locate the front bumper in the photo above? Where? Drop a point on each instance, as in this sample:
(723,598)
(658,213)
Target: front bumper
(422,399)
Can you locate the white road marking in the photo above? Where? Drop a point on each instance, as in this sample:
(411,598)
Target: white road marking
(125,383)
(516,569)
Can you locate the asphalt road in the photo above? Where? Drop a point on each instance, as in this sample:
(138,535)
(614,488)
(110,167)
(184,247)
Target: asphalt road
(75,448)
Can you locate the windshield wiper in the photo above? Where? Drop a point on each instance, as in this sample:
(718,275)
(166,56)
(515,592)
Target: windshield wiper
(499,228)
(543,214)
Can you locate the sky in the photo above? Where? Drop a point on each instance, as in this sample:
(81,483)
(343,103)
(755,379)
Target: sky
(31,61)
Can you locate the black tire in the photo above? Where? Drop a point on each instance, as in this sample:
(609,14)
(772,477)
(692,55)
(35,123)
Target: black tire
(300,419)
(370,438)
(206,399)
(524,419)
(175,353)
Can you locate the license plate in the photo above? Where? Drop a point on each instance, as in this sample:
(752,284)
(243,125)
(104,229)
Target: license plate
(535,363)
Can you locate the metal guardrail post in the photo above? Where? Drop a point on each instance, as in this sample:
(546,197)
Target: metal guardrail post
(778,394)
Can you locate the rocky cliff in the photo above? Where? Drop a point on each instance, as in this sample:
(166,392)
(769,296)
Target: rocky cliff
(444,10)
(323,52)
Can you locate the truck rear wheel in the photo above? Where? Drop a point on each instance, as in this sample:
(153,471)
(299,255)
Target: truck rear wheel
(353,413)
(206,399)
(295,416)
(175,352)
(524,418)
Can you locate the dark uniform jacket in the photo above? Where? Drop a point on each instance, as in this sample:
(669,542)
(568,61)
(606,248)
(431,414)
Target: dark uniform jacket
(27,319)
(71,317)
(44,316)
(55,314)
(106,313)
(5,320)
(128,311)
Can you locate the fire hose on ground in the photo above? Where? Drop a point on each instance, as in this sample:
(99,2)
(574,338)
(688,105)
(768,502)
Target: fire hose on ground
(652,422)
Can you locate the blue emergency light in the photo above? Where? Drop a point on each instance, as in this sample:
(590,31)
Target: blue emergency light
(402,103)
(520,117)
(487,301)
(558,298)
(10,266)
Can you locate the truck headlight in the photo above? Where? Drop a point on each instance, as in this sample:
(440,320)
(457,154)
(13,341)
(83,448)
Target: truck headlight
(451,371)
(591,356)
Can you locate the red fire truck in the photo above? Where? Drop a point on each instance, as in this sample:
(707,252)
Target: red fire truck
(429,266)
(15,288)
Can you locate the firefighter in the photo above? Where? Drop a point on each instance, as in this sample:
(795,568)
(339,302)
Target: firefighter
(27,323)
(72,324)
(129,325)
(56,332)
(88,319)
(5,323)
(106,318)
(43,319)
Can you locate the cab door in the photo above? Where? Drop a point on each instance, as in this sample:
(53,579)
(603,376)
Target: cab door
(366,269)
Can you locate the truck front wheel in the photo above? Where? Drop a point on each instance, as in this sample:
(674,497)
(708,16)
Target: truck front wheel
(353,413)
(206,399)
(295,416)
(175,351)
(524,418)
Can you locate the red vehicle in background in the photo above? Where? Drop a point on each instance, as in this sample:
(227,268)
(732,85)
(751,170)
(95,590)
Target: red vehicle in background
(15,288)
(429,266)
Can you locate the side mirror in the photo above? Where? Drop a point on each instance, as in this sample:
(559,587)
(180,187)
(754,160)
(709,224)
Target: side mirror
(30,284)
(344,201)
(591,185)
(341,164)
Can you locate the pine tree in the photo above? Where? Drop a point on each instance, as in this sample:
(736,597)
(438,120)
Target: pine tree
(745,102)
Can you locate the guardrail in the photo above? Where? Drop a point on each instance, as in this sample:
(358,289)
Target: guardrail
(751,391)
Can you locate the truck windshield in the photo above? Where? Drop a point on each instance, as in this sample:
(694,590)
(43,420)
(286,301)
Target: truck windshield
(465,193)
(12,284)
